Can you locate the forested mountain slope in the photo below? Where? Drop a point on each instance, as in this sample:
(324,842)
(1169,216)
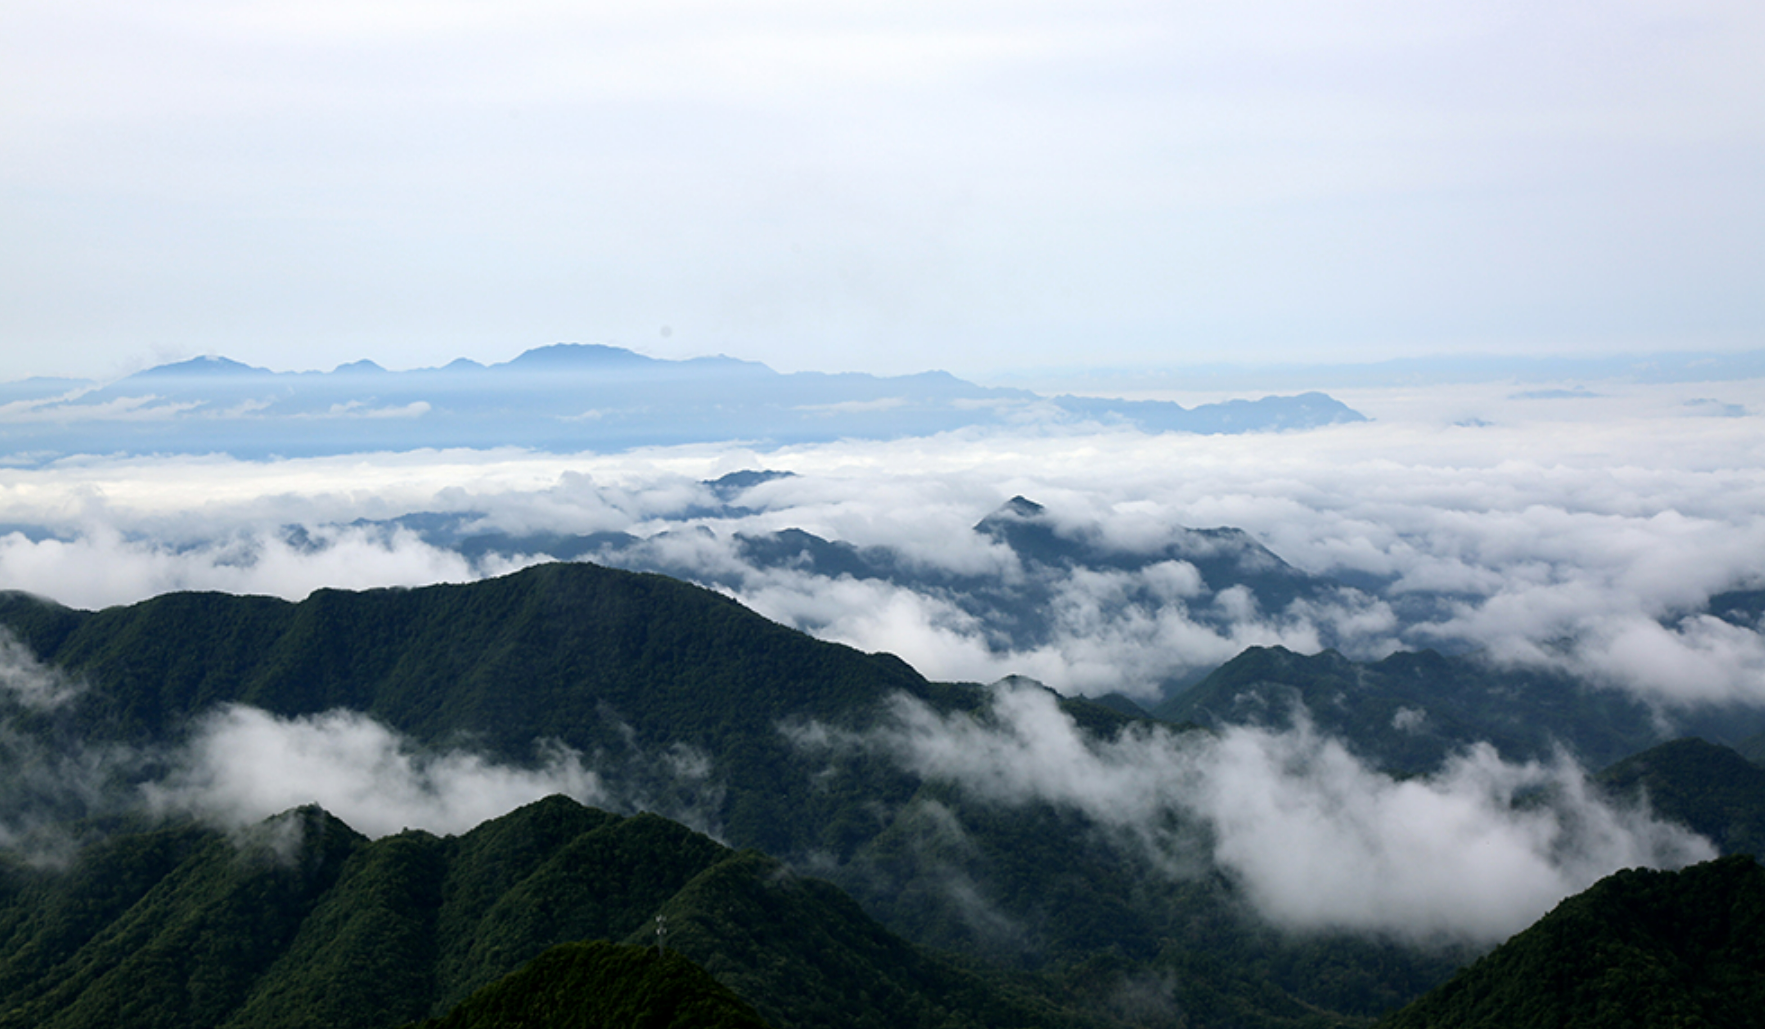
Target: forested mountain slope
(300,921)
(647,676)
(1412,709)
(1639,949)
(1708,788)
(603,986)
(683,701)
(598,660)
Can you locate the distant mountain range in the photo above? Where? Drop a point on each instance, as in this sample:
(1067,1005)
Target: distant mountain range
(1218,578)
(564,398)
(1658,367)
(1021,612)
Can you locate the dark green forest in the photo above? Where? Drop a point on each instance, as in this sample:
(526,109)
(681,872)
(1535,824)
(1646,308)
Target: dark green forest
(303,922)
(838,898)
(1453,702)
(1637,950)
(602,985)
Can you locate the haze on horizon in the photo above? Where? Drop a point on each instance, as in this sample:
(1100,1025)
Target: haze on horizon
(989,189)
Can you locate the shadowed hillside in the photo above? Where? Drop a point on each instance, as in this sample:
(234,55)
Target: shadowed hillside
(602,986)
(300,921)
(1710,789)
(1639,949)
(681,700)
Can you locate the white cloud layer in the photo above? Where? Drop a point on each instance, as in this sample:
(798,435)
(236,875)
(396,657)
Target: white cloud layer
(244,765)
(1316,839)
(1586,532)
(100,567)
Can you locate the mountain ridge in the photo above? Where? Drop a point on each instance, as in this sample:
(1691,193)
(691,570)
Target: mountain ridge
(565,397)
(300,921)
(679,696)
(695,706)
(1640,948)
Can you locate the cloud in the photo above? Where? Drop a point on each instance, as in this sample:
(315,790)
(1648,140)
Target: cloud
(244,765)
(28,682)
(100,566)
(1103,635)
(1583,534)
(856,406)
(1320,841)
(357,409)
(1315,838)
(1702,658)
(240,765)
(122,409)
(49,777)
(43,779)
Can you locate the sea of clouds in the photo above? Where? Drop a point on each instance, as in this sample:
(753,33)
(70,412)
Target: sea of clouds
(1585,532)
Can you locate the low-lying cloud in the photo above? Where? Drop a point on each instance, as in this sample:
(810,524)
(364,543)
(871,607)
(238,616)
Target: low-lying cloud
(239,765)
(1587,534)
(1315,838)
(101,566)
(243,765)
(29,683)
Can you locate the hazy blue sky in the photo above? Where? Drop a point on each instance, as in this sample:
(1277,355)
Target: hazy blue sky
(876,186)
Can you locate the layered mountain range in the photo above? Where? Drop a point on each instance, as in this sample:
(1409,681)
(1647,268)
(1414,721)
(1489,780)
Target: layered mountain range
(562,398)
(146,891)
(1215,576)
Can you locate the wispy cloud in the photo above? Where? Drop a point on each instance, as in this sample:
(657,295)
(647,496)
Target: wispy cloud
(1316,839)
(1586,534)
(28,682)
(244,765)
(357,409)
(100,566)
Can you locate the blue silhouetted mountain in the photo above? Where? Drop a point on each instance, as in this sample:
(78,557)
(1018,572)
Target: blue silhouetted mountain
(564,398)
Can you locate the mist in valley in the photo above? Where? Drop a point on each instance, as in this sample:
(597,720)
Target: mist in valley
(1568,534)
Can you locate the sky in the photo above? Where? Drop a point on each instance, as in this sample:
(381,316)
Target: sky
(987,188)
